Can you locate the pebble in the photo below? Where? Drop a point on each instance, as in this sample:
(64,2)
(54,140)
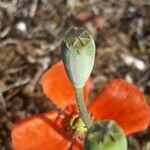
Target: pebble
(130,60)
(21,25)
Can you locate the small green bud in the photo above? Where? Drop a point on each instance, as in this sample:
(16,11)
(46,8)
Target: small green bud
(78,55)
(105,135)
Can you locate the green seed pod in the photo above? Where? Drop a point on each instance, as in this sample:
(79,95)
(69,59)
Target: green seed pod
(105,135)
(78,55)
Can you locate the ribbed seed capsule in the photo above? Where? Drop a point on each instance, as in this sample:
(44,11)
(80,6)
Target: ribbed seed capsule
(105,135)
(78,55)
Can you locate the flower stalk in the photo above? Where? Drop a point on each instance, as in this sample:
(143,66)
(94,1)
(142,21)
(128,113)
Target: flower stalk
(82,107)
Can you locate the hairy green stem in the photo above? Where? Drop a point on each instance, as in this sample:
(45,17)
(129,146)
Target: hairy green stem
(82,107)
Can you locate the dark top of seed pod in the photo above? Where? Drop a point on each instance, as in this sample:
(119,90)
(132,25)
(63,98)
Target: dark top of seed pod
(77,38)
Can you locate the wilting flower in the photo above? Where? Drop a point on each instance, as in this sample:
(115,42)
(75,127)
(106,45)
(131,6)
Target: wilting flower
(64,130)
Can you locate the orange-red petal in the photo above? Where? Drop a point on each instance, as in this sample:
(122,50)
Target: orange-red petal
(77,144)
(124,103)
(57,87)
(39,133)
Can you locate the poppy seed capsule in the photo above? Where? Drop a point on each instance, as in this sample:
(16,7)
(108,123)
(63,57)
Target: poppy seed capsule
(105,135)
(78,55)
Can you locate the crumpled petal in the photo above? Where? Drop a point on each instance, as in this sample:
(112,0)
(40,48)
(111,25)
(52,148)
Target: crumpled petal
(41,133)
(57,87)
(124,103)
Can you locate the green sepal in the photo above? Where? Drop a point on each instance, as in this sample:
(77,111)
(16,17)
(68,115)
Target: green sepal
(105,135)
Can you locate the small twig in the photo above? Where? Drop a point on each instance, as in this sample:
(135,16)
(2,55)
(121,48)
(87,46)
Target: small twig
(9,6)
(15,70)
(16,84)
(44,62)
(8,41)
(5,32)
(82,107)
(33,8)
(15,92)
(5,5)
(140,25)
(2,103)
